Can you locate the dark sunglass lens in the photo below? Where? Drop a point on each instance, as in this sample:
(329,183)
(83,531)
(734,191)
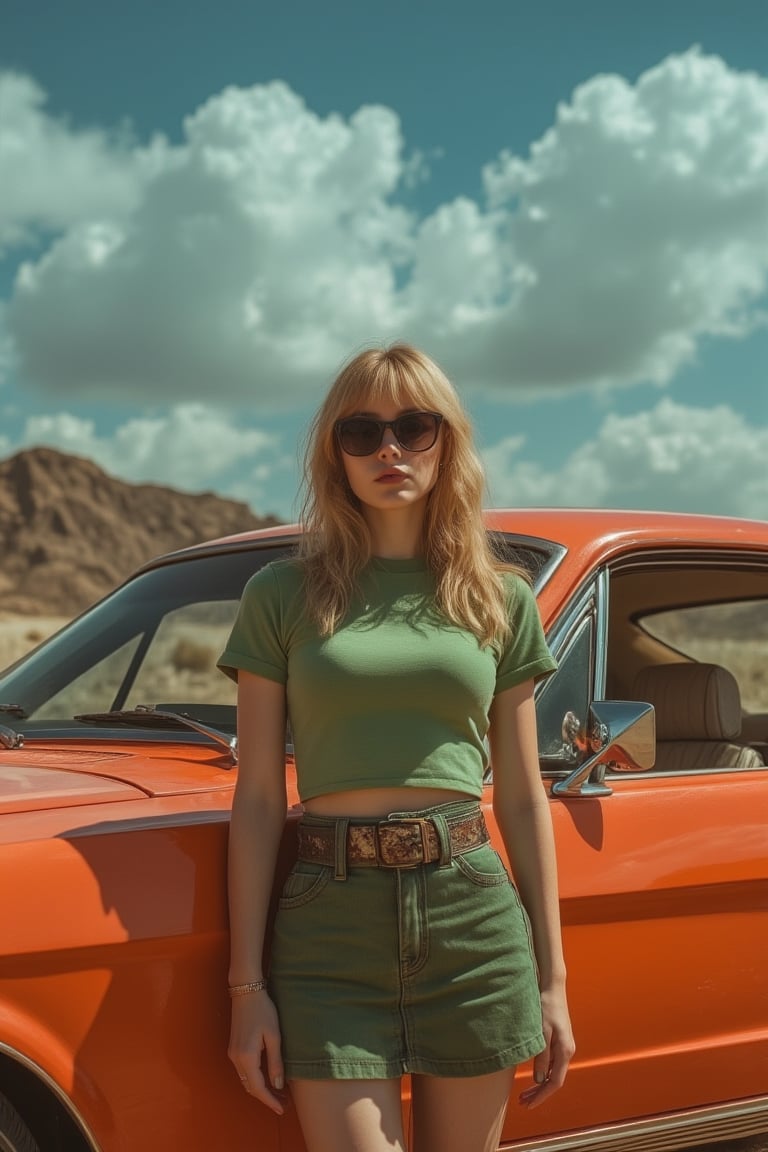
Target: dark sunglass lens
(360,437)
(417,431)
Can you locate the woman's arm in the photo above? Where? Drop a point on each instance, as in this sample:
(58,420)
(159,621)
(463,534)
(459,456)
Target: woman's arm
(521,808)
(258,819)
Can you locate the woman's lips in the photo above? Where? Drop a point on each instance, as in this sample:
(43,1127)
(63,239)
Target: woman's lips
(391,478)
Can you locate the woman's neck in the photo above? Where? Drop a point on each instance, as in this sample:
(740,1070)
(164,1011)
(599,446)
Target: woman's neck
(396,535)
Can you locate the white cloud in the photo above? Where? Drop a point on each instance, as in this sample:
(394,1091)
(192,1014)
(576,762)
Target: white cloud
(54,176)
(192,446)
(672,457)
(255,258)
(642,221)
(249,261)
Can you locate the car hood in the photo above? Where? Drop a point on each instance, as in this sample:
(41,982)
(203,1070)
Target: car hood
(42,776)
(58,779)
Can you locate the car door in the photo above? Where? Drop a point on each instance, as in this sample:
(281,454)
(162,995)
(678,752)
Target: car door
(663,900)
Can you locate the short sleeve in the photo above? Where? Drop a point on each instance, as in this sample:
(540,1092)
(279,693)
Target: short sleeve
(256,642)
(525,655)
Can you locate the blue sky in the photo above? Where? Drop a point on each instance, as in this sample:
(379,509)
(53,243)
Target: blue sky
(204,209)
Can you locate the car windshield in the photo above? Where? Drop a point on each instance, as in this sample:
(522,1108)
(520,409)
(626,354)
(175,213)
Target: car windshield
(155,641)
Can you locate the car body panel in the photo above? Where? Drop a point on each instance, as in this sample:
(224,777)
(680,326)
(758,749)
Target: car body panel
(37,784)
(113,956)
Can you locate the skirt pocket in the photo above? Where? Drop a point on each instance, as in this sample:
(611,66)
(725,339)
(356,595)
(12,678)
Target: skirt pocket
(483,866)
(304,884)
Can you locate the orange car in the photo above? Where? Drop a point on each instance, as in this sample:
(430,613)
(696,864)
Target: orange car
(117,768)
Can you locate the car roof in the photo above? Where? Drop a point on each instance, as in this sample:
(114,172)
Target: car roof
(572,528)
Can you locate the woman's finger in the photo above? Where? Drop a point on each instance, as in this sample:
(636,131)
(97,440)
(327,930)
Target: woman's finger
(255,1085)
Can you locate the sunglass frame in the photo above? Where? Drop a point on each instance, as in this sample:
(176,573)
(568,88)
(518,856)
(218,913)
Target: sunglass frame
(382,426)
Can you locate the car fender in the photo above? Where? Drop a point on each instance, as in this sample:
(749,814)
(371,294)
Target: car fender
(28,1042)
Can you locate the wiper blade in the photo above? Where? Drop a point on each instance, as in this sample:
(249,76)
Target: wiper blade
(15,710)
(147,716)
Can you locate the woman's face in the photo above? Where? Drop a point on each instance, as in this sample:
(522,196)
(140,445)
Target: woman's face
(392,477)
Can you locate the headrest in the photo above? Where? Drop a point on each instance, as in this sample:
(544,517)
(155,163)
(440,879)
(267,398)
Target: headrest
(692,701)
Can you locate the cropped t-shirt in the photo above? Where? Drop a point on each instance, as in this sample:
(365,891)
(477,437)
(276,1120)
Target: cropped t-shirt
(399,695)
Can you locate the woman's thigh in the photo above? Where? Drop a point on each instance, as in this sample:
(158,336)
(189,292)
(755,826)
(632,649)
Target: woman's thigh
(460,1114)
(350,1115)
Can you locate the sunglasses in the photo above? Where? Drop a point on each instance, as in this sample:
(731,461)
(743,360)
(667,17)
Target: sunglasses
(362,435)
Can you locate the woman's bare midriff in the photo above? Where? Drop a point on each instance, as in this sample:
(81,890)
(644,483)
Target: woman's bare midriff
(380,802)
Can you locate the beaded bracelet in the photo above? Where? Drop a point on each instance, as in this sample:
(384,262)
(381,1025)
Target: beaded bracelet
(244,989)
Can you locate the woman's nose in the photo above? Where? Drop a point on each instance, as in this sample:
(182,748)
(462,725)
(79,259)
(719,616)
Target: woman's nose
(389,444)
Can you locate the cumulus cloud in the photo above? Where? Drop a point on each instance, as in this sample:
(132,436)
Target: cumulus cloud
(254,259)
(672,457)
(641,223)
(191,446)
(54,176)
(249,260)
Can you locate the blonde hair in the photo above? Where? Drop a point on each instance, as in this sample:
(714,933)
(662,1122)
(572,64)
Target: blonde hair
(336,544)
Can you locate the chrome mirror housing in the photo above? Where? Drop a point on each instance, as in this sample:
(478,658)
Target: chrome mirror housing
(620,734)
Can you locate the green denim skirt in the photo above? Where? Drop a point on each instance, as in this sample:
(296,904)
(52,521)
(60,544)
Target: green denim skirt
(389,971)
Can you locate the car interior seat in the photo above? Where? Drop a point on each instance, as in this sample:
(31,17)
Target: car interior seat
(698,717)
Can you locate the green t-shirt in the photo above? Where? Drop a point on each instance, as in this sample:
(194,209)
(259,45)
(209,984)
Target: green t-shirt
(398,696)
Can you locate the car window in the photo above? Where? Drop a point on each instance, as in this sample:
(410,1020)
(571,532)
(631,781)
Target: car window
(155,640)
(682,606)
(180,663)
(152,641)
(734,635)
(95,689)
(568,690)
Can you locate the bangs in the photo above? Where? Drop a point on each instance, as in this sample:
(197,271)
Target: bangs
(395,376)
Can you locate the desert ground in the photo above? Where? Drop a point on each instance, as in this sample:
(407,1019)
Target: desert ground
(19,634)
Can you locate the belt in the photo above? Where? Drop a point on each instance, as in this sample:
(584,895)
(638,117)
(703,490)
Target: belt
(391,843)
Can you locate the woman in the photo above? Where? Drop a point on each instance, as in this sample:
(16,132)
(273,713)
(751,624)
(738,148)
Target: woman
(398,647)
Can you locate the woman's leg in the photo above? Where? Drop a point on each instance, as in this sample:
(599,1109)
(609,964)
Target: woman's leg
(349,1115)
(460,1114)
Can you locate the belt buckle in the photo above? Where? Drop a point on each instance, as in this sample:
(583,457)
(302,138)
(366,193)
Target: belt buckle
(422,822)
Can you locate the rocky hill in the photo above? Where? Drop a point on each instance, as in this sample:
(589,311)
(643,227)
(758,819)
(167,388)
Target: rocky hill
(69,532)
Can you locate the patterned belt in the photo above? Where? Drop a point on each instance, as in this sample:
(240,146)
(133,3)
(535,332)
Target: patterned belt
(395,843)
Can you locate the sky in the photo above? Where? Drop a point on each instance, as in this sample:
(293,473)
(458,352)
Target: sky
(206,209)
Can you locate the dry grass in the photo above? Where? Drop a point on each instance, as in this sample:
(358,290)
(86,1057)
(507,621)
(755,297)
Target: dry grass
(746,659)
(181,665)
(20,634)
(191,656)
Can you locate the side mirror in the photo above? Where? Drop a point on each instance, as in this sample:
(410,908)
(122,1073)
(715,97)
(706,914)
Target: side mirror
(618,733)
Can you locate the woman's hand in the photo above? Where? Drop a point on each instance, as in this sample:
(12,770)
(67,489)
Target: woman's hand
(551,1065)
(256,1032)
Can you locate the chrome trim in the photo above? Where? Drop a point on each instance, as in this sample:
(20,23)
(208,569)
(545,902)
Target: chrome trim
(9,738)
(661,1134)
(559,639)
(680,773)
(626,726)
(697,555)
(569,620)
(588,777)
(58,1092)
(602,606)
